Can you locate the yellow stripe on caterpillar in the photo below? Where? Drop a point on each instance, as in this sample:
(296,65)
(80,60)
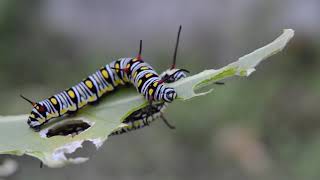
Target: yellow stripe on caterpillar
(155,84)
(150,91)
(148,75)
(135,74)
(139,82)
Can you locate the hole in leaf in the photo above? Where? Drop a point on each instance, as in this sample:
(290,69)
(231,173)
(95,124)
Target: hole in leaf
(73,128)
(88,148)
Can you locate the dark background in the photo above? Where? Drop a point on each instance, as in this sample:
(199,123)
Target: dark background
(262,127)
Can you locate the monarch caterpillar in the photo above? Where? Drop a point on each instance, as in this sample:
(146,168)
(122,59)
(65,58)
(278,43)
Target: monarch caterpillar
(120,72)
(141,118)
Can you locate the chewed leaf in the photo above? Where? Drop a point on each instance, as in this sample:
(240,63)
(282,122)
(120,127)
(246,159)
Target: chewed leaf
(95,123)
(243,67)
(101,119)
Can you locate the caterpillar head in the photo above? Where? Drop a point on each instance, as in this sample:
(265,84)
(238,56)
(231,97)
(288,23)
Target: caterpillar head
(160,92)
(173,75)
(37,116)
(169,95)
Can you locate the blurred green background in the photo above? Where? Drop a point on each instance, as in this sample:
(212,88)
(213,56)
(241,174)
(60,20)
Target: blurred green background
(262,127)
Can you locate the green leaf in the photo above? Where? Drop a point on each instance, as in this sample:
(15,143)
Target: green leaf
(17,138)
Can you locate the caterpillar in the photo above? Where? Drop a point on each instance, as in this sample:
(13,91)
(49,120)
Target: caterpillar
(144,116)
(141,118)
(89,91)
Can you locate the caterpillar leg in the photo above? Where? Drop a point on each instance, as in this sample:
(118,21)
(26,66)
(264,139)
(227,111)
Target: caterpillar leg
(96,102)
(149,111)
(72,113)
(219,83)
(36,128)
(167,122)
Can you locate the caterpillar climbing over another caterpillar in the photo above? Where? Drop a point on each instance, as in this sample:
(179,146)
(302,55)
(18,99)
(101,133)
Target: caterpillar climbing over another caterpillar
(144,116)
(120,72)
(141,118)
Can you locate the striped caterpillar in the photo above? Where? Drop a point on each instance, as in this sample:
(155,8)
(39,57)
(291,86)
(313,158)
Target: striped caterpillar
(143,117)
(120,72)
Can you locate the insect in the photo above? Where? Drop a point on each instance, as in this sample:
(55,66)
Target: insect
(143,117)
(89,91)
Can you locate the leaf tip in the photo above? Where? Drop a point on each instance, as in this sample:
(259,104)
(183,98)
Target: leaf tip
(289,32)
